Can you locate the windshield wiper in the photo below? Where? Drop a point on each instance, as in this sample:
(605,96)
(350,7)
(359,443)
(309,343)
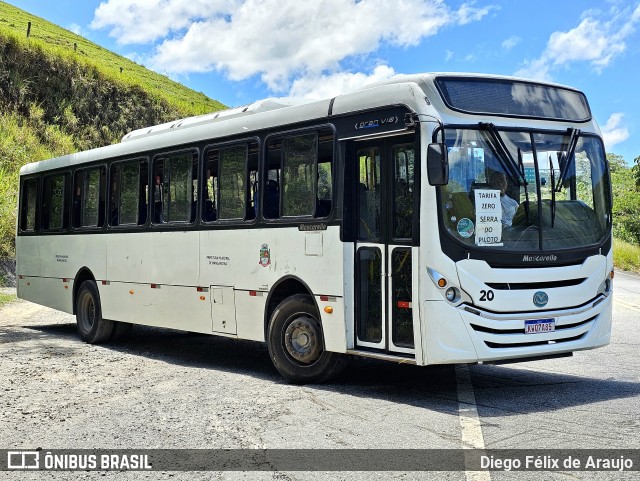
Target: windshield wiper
(565,158)
(504,156)
(553,193)
(526,193)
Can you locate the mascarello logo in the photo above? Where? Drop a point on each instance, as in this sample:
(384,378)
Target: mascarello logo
(540,299)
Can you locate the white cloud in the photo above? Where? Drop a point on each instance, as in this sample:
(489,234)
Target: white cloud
(278,40)
(613,131)
(77,29)
(594,41)
(467,13)
(535,69)
(511,42)
(327,86)
(448,55)
(144,21)
(590,41)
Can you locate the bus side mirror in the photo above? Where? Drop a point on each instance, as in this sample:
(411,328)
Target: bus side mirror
(437,165)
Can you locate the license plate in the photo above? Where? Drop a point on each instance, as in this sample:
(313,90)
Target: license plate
(538,326)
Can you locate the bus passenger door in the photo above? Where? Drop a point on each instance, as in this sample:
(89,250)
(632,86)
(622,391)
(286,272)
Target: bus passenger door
(384,208)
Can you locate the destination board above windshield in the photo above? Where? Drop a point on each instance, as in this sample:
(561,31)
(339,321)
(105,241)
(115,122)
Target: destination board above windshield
(512,98)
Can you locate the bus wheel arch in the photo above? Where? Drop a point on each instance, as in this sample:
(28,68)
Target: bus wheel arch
(283,288)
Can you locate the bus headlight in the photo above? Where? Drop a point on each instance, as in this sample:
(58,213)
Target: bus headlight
(452,294)
(606,286)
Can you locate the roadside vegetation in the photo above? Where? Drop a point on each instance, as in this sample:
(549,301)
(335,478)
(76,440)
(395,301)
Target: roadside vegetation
(626,256)
(6,298)
(625,181)
(65,47)
(60,93)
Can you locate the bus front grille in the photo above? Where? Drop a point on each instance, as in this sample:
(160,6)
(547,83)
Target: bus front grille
(497,345)
(496,337)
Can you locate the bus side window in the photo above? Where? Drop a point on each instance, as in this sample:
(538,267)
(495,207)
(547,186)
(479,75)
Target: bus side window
(299,175)
(28,217)
(127,189)
(55,202)
(173,190)
(88,198)
(253,192)
(210,193)
(325,174)
(233,182)
(299,179)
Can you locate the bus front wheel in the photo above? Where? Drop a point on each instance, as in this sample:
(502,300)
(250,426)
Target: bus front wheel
(92,328)
(296,343)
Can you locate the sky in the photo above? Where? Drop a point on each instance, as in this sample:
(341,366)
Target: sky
(239,51)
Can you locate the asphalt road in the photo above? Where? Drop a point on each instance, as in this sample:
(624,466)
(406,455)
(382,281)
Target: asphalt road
(168,389)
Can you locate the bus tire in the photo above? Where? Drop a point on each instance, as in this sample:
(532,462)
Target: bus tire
(92,328)
(296,343)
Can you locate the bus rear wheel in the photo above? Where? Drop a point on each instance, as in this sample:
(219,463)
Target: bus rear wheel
(296,343)
(92,328)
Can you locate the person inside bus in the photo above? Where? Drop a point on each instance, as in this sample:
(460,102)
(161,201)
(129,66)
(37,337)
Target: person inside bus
(157,201)
(252,205)
(210,213)
(498,181)
(77,206)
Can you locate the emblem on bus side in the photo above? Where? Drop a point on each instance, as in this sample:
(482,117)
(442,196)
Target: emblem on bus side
(540,299)
(265,255)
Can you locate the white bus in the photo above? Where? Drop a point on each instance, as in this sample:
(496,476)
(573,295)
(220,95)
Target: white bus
(429,219)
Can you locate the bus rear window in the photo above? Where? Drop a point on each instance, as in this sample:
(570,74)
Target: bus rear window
(29,203)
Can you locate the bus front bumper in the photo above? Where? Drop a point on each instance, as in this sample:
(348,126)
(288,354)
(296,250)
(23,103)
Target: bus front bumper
(466,334)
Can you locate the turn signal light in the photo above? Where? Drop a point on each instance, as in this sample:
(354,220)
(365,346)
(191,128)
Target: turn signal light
(442,282)
(328,310)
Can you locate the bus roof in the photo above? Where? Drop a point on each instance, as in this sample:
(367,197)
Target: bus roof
(409,90)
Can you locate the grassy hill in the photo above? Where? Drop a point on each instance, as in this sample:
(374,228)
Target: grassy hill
(60,93)
(69,47)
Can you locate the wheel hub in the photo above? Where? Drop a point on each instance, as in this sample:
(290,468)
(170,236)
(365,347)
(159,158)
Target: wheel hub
(302,340)
(87,312)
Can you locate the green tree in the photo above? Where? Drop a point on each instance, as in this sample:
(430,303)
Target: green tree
(636,170)
(626,199)
(616,162)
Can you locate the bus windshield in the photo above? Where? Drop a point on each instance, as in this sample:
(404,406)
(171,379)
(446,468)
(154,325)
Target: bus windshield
(525,190)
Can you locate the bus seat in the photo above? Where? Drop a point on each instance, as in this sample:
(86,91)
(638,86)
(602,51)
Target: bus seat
(209,211)
(142,214)
(272,200)
(323,208)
